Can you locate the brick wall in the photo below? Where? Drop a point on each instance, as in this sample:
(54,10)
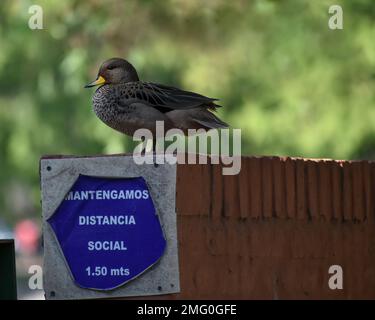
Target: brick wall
(274,230)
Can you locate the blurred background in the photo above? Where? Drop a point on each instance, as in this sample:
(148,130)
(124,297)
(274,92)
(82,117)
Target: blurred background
(294,86)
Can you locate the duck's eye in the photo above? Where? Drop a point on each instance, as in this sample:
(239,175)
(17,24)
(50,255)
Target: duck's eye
(111,67)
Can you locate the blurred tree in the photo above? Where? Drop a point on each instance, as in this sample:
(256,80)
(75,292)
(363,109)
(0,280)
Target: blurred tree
(294,86)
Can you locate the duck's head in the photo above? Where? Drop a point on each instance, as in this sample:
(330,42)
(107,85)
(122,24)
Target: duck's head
(113,71)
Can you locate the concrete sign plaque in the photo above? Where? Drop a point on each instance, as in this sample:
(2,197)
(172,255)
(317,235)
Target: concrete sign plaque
(109,228)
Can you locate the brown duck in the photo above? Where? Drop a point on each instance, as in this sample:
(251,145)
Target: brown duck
(126,104)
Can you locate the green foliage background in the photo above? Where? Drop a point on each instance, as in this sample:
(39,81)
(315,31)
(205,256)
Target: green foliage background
(294,86)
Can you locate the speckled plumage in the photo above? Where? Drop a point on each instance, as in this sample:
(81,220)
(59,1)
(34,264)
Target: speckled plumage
(126,104)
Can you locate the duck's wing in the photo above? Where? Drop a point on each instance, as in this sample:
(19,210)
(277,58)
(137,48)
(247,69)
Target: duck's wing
(164,98)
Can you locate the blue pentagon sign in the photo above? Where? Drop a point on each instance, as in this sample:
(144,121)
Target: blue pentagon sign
(108,231)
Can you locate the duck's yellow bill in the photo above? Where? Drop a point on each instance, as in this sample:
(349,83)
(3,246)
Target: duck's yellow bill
(97,82)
